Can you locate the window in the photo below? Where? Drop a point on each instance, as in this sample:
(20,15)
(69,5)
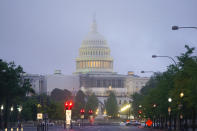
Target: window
(104,83)
(119,83)
(98,83)
(113,83)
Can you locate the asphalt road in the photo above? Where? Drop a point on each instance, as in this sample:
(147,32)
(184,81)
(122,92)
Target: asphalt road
(92,128)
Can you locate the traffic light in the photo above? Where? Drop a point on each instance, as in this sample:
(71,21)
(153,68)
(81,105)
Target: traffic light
(68,105)
(90,112)
(82,111)
(140,112)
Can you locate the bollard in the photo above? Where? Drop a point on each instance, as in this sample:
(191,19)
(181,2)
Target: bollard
(5,129)
(21,129)
(16,129)
(11,129)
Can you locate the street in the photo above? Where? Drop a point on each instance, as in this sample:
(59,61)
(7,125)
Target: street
(92,128)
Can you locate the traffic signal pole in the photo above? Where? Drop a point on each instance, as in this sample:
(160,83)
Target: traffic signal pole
(68,114)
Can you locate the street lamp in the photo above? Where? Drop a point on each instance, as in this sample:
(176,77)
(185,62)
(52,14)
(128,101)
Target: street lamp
(169,99)
(169,111)
(11,109)
(181,107)
(19,110)
(2,107)
(154,119)
(178,27)
(155,56)
(181,95)
(1,116)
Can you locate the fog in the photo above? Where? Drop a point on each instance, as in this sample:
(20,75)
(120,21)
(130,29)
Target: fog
(44,35)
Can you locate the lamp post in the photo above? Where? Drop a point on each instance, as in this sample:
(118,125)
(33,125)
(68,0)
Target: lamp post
(169,111)
(154,119)
(11,109)
(178,27)
(1,117)
(155,56)
(19,121)
(181,109)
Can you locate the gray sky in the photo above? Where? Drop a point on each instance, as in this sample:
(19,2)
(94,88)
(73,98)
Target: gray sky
(44,35)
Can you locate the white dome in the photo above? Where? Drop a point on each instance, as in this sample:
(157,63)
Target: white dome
(93,38)
(94,54)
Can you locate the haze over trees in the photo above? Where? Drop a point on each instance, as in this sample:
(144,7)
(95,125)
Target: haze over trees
(180,78)
(13,88)
(111,105)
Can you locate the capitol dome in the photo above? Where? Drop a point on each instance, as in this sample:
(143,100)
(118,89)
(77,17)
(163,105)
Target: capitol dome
(94,53)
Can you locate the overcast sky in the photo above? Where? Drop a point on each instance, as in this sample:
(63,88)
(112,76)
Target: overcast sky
(44,35)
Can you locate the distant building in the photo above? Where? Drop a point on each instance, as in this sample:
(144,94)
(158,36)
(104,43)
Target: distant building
(94,73)
(37,82)
(58,80)
(94,65)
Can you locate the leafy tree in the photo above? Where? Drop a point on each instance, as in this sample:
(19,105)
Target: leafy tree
(92,103)
(60,95)
(178,78)
(111,105)
(79,103)
(13,86)
(29,111)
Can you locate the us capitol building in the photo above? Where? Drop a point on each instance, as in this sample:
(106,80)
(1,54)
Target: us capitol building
(94,73)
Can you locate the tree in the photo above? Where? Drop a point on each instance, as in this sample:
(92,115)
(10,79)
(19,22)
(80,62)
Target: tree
(92,103)
(79,103)
(178,78)
(13,86)
(29,111)
(111,105)
(60,95)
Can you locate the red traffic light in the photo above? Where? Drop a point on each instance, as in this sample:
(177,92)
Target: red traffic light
(140,112)
(68,105)
(82,111)
(90,112)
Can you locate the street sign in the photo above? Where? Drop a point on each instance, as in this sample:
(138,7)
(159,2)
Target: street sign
(39,116)
(82,116)
(68,117)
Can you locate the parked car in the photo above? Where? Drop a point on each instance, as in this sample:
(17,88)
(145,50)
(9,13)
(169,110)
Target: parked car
(128,123)
(122,123)
(136,123)
(51,124)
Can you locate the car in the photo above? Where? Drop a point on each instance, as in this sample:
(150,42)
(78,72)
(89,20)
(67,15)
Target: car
(128,123)
(136,123)
(51,124)
(122,123)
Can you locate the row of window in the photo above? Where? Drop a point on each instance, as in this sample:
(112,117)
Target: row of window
(121,101)
(93,53)
(95,41)
(106,83)
(94,64)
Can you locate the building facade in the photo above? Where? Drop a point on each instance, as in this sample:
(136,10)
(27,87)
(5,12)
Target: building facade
(38,82)
(94,73)
(94,65)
